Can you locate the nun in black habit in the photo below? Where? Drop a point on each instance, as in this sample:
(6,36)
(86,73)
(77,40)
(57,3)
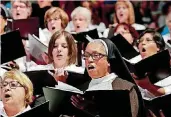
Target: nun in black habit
(108,71)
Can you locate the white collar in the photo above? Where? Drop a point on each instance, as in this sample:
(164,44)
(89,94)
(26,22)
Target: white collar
(106,78)
(4,114)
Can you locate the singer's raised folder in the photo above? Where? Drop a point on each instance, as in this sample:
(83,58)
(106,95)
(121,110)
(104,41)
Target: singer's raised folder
(11,46)
(154,65)
(125,48)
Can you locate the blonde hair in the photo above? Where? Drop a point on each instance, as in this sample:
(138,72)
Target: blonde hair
(131,17)
(23,80)
(26,2)
(54,11)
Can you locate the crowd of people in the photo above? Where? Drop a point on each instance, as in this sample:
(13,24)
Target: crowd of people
(66,27)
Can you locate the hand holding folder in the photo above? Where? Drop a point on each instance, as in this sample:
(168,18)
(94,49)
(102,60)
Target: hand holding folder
(100,101)
(152,66)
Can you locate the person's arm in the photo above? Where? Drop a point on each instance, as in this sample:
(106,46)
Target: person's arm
(146,84)
(134,101)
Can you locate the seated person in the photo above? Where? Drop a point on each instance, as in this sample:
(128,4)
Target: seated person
(17,92)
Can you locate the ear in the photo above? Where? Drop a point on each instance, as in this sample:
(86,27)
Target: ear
(108,64)
(158,49)
(6,23)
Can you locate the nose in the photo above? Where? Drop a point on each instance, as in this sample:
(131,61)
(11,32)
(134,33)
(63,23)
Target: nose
(52,21)
(18,8)
(144,42)
(90,59)
(6,88)
(59,48)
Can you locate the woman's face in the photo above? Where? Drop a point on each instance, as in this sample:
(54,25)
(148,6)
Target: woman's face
(125,33)
(60,53)
(2,22)
(54,24)
(20,10)
(96,60)
(147,46)
(80,23)
(122,13)
(168,21)
(13,93)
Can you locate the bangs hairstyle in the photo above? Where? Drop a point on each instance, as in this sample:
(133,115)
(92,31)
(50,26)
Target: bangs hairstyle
(23,80)
(26,2)
(82,11)
(131,16)
(55,11)
(158,39)
(72,50)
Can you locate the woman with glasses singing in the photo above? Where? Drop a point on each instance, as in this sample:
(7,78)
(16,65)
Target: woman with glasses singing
(21,9)
(149,43)
(17,91)
(97,54)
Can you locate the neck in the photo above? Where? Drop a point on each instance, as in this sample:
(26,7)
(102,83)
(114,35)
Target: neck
(12,110)
(2,31)
(57,65)
(43,6)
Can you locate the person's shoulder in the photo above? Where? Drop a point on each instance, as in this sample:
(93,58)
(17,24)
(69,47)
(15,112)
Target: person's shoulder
(138,26)
(120,84)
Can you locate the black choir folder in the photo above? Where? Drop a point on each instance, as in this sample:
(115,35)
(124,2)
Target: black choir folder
(11,46)
(159,103)
(42,109)
(26,26)
(157,65)
(103,100)
(125,48)
(82,42)
(81,36)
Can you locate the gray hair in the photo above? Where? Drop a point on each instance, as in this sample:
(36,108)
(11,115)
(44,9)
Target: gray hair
(102,42)
(83,11)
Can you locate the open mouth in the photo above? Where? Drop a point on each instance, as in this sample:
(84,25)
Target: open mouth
(121,15)
(53,28)
(91,67)
(59,55)
(78,26)
(18,13)
(143,50)
(7,96)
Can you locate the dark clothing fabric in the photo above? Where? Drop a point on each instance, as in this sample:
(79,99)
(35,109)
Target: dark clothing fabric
(39,12)
(137,104)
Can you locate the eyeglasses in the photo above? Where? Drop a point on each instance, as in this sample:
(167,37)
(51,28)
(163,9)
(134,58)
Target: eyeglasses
(12,84)
(54,19)
(21,6)
(142,39)
(94,56)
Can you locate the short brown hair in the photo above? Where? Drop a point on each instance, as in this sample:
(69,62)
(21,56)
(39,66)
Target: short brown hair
(72,50)
(53,11)
(131,18)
